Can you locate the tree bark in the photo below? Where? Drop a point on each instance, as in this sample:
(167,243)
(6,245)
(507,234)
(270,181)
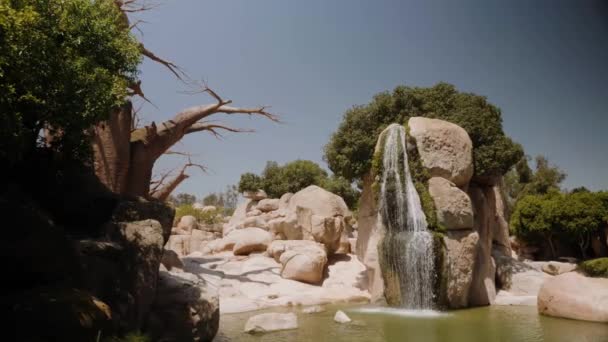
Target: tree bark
(111,150)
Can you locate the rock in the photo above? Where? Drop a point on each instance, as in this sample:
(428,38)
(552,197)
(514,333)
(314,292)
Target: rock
(313,309)
(255,195)
(320,201)
(55,314)
(187,223)
(268,204)
(285,228)
(208,208)
(445,149)
(180,244)
(341,317)
(271,322)
(461,253)
(483,288)
(254,212)
(250,240)
(301,260)
(571,295)
(198,239)
(198,206)
(186,309)
(507,298)
(454,208)
(255,221)
(284,200)
(171,260)
(517,277)
(557,268)
(370,234)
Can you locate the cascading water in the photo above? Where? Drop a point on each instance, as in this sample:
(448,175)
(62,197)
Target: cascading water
(408,243)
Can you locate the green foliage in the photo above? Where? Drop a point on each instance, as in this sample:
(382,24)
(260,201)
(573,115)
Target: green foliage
(277,180)
(250,182)
(350,150)
(63,66)
(595,267)
(226,200)
(521,180)
(207,217)
(572,218)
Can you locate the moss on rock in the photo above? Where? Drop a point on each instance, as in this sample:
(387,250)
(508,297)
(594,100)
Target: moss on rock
(595,267)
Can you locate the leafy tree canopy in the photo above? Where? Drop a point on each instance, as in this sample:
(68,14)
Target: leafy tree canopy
(277,180)
(521,180)
(63,65)
(350,149)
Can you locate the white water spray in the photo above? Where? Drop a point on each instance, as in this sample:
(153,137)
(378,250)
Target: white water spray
(410,244)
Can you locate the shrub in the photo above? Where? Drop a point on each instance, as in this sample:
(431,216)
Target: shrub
(595,267)
(350,149)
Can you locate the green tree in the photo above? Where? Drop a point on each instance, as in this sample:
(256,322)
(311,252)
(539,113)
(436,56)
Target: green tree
(63,66)
(350,149)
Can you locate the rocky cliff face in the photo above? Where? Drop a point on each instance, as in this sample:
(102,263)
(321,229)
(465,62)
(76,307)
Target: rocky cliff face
(470,215)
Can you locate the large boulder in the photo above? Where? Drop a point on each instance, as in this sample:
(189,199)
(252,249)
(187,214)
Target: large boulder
(571,295)
(519,282)
(369,234)
(255,221)
(285,228)
(446,149)
(187,223)
(250,240)
(321,216)
(454,208)
(301,260)
(268,204)
(271,322)
(186,309)
(557,268)
(461,253)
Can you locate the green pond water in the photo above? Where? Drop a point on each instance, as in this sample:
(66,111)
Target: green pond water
(370,324)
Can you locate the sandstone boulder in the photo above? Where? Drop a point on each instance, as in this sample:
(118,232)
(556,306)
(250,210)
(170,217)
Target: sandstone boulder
(208,208)
(446,149)
(255,221)
(284,200)
(454,208)
(268,204)
(187,223)
(186,309)
(285,228)
(301,260)
(254,212)
(320,201)
(461,253)
(313,309)
(271,322)
(557,268)
(571,295)
(517,277)
(250,240)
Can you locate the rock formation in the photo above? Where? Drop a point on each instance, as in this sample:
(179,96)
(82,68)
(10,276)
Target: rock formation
(470,217)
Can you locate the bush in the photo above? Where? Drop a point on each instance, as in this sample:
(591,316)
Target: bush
(207,217)
(595,267)
(350,149)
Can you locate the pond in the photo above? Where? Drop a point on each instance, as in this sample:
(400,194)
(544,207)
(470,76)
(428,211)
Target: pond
(371,324)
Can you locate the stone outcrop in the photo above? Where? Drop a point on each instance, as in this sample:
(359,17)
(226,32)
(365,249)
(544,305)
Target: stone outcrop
(473,214)
(461,248)
(268,204)
(571,295)
(300,259)
(250,240)
(341,317)
(268,322)
(454,208)
(255,195)
(445,149)
(185,309)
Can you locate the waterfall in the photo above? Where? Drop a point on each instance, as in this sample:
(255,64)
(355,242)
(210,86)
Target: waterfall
(409,247)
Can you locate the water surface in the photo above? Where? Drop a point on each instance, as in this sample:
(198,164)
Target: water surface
(371,324)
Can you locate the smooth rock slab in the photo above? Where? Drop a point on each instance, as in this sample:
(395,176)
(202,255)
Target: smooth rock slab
(341,317)
(313,309)
(271,322)
(572,295)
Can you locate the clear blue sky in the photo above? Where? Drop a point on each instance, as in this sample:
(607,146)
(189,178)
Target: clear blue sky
(544,63)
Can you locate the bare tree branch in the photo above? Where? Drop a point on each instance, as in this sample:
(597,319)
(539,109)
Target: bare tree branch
(176,70)
(202,126)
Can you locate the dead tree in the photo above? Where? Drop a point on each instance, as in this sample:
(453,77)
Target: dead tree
(124,155)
